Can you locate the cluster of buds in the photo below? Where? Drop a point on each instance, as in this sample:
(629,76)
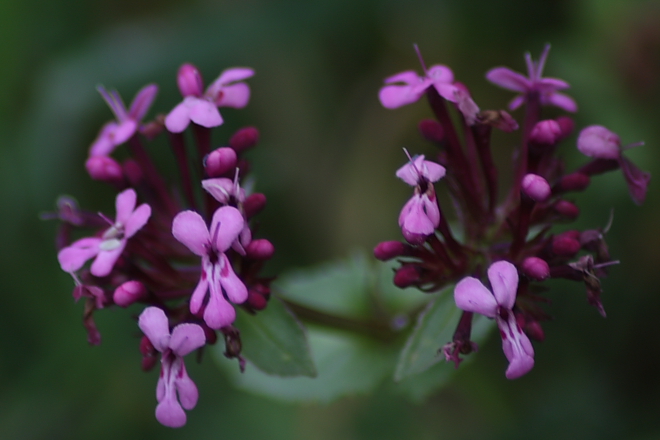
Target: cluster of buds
(149,254)
(508,240)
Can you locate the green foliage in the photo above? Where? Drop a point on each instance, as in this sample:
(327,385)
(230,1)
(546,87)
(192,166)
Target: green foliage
(357,347)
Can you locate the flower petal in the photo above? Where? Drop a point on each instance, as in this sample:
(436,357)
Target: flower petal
(105,260)
(440,74)
(142,101)
(234,96)
(186,338)
(137,220)
(503,277)
(169,413)
(395,96)
(73,257)
(560,100)
(154,324)
(599,142)
(232,75)
(178,119)
(186,389)
(472,296)
(409,77)
(232,285)
(190,229)
(508,79)
(637,180)
(205,113)
(125,204)
(516,346)
(227,223)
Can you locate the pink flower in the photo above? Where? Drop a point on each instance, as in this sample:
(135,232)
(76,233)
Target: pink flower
(598,142)
(533,83)
(420,215)
(472,296)
(229,192)
(117,132)
(202,108)
(175,389)
(217,276)
(111,244)
(407,87)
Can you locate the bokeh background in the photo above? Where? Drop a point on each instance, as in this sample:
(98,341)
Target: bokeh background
(326,161)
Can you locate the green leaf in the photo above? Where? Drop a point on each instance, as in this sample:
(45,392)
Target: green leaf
(347,365)
(419,386)
(275,342)
(435,327)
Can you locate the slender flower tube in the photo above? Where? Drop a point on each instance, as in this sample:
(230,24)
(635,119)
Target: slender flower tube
(175,390)
(472,296)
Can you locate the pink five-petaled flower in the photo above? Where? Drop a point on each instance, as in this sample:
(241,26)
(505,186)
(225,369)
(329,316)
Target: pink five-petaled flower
(472,296)
(598,142)
(175,389)
(533,83)
(202,108)
(117,132)
(111,244)
(217,274)
(420,215)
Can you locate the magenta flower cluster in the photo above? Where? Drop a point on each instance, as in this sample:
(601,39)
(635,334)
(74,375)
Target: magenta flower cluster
(512,242)
(150,253)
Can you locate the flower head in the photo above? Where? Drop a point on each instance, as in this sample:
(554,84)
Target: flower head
(202,109)
(175,390)
(472,296)
(117,132)
(533,83)
(217,276)
(111,244)
(420,215)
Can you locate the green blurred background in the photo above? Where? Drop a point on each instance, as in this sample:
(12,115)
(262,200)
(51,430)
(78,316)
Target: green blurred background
(326,161)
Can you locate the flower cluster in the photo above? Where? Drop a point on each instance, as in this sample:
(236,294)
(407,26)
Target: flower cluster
(510,240)
(150,253)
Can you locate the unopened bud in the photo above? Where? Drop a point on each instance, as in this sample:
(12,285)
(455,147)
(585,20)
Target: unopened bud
(256,300)
(253,204)
(152,129)
(534,330)
(566,125)
(210,334)
(128,293)
(565,245)
(105,169)
(220,161)
(189,81)
(260,249)
(246,137)
(536,187)
(599,142)
(406,276)
(547,132)
(431,130)
(567,209)
(535,268)
(149,354)
(390,249)
(573,182)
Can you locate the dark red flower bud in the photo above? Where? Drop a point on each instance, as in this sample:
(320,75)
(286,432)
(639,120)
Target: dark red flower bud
(220,161)
(546,132)
(244,138)
(567,209)
(535,268)
(253,204)
(565,245)
(390,249)
(260,249)
(572,182)
(566,125)
(431,130)
(406,276)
